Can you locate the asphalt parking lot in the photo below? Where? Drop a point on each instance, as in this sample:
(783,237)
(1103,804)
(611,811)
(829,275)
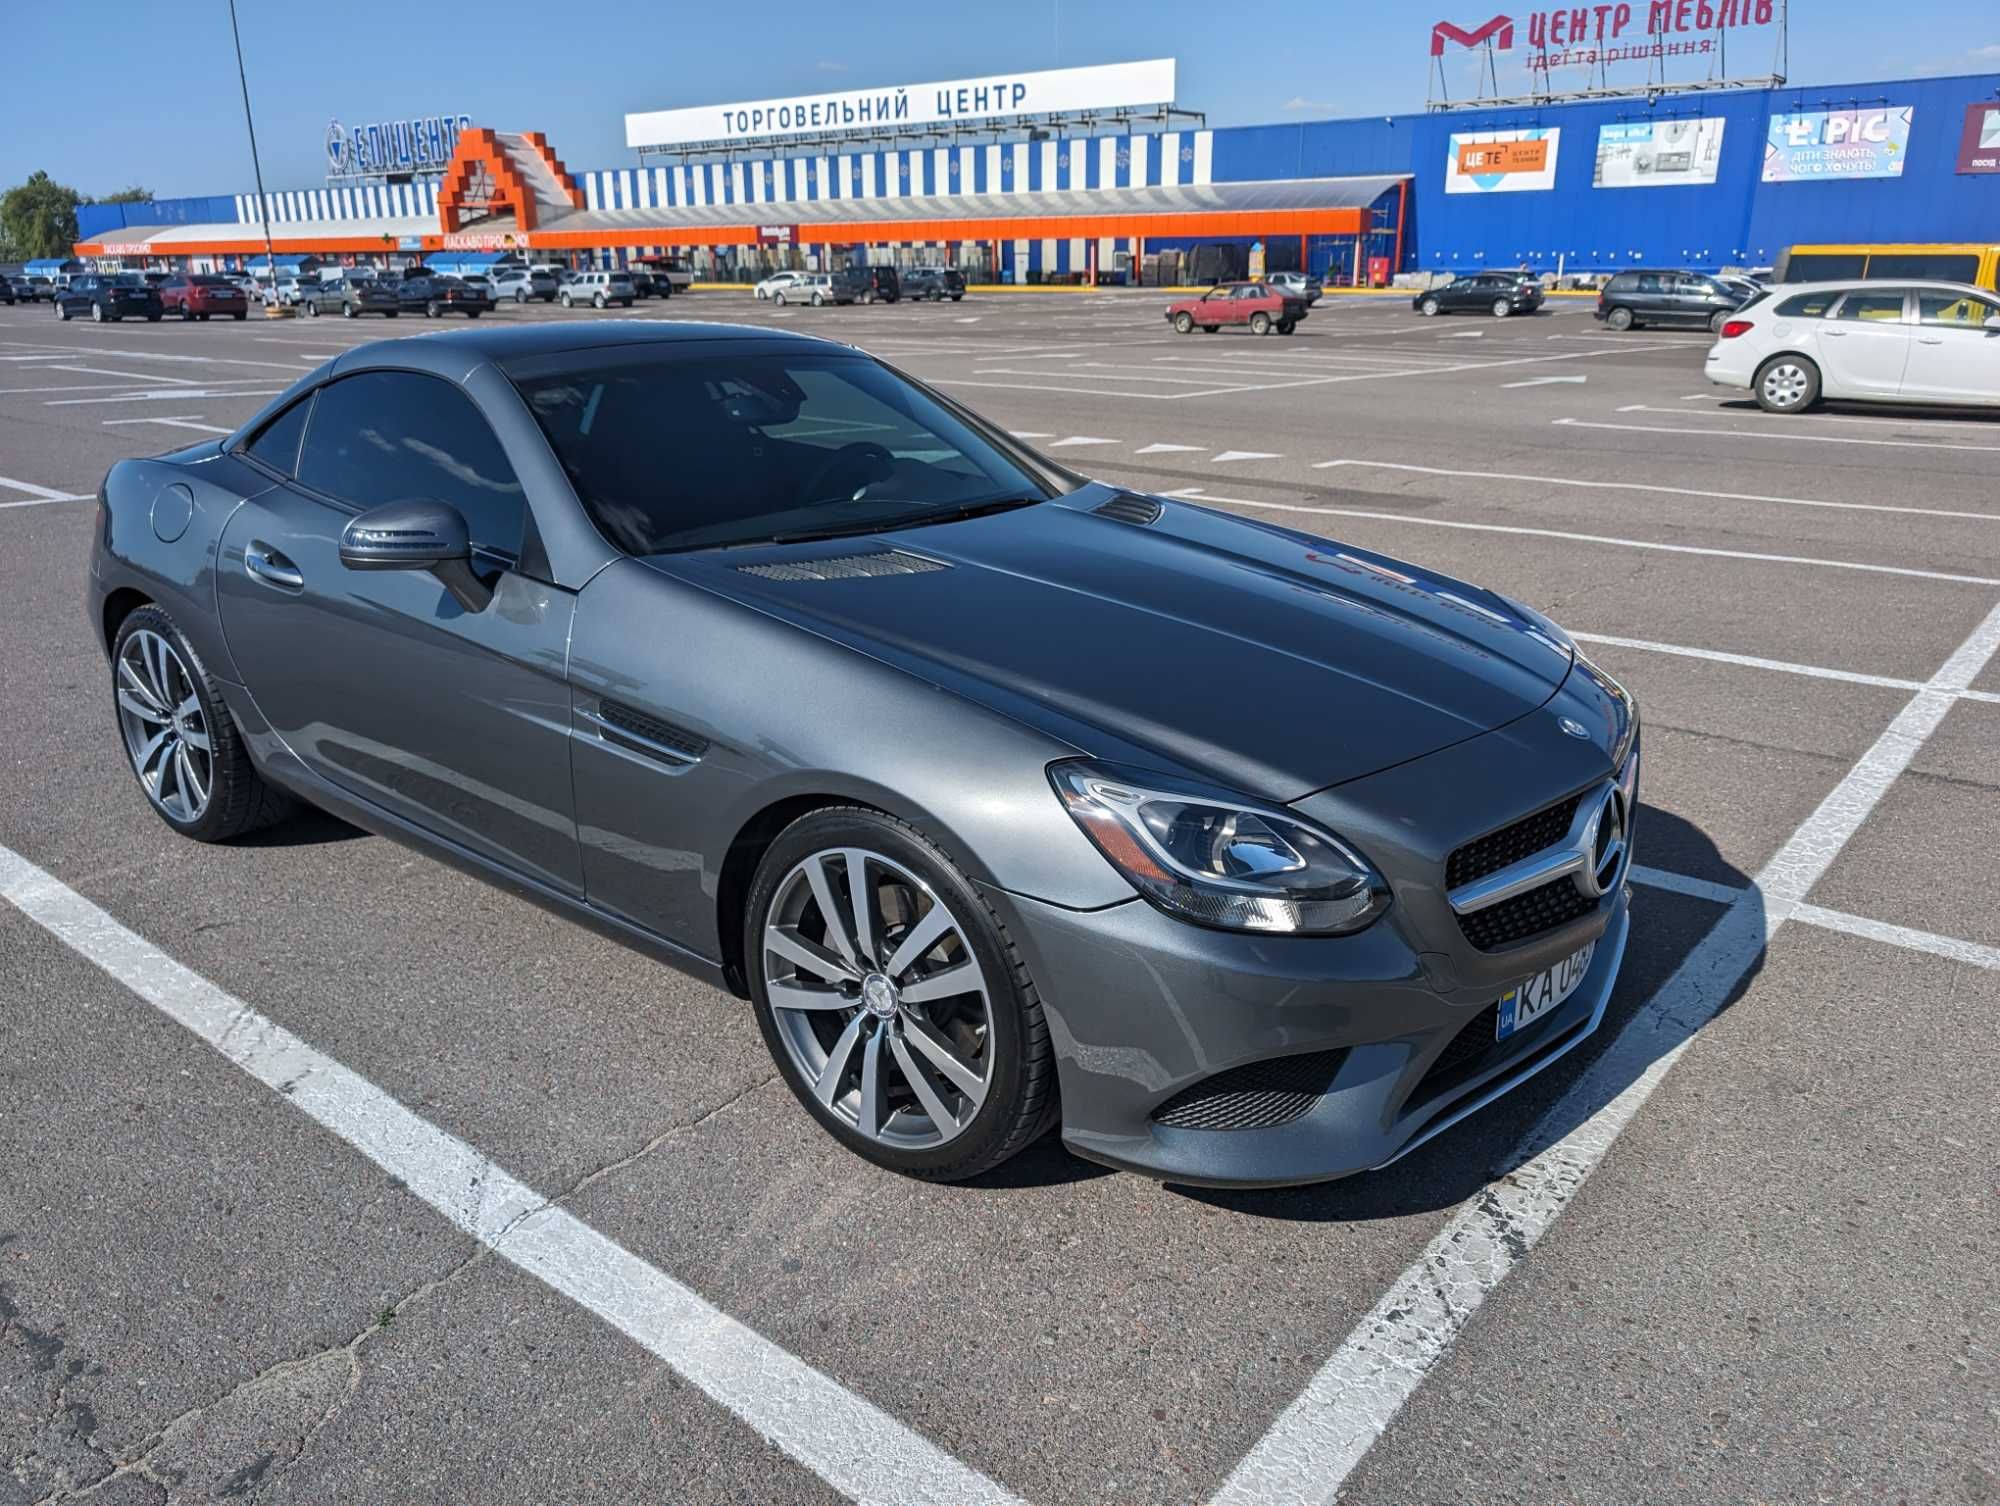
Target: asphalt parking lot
(334,1175)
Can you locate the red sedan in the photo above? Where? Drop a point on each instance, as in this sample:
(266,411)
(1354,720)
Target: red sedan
(196,295)
(1258,304)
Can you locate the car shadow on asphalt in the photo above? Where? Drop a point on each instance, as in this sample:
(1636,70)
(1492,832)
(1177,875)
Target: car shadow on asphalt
(305,827)
(1666,927)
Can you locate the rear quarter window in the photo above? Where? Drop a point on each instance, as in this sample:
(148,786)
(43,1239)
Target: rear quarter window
(1807,305)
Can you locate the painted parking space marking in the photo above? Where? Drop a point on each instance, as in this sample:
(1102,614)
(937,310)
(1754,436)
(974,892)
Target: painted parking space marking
(181,422)
(1654,488)
(1228,455)
(1774,434)
(1170,449)
(1318,1440)
(1773,666)
(1743,408)
(1080,439)
(854,1446)
(38,496)
(1196,494)
(170,395)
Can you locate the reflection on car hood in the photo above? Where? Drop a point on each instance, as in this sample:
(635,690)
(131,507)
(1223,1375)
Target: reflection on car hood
(1272,660)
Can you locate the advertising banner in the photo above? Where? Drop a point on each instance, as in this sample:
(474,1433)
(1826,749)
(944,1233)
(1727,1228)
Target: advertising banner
(1635,39)
(1979,147)
(1837,144)
(1502,161)
(1109,87)
(1658,153)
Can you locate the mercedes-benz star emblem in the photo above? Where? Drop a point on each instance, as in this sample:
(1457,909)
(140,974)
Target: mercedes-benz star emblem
(1603,846)
(1573,728)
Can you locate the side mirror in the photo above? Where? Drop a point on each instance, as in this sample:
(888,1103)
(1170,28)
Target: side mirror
(421,534)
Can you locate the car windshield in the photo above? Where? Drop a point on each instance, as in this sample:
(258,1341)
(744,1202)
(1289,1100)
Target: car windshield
(695,453)
(128,280)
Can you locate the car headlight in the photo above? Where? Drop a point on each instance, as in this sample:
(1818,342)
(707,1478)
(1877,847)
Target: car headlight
(1220,862)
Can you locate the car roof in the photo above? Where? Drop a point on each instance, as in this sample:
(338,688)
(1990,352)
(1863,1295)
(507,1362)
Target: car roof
(1845,284)
(461,351)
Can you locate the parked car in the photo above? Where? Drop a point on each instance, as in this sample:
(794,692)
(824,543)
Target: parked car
(436,296)
(286,288)
(351,298)
(524,284)
(867,285)
(1931,342)
(777,280)
(1258,305)
(645,285)
(42,289)
(1298,284)
(598,289)
(198,295)
(1501,294)
(108,297)
(11,292)
(814,288)
(1634,299)
(933,283)
(1360,868)
(675,273)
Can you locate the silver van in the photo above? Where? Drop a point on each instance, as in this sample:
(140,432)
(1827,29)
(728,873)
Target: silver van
(598,289)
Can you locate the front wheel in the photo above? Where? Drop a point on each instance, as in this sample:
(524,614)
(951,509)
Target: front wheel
(894,1005)
(818,299)
(97,315)
(1260,323)
(311,307)
(180,741)
(1430,308)
(347,311)
(1787,384)
(778,298)
(62,312)
(1620,319)
(1184,324)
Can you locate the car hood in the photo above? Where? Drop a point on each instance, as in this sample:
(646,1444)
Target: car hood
(1271,660)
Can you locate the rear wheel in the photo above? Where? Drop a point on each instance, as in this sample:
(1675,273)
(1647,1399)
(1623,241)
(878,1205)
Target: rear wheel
(431,309)
(818,299)
(1787,384)
(1716,320)
(520,295)
(347,311)
(1620,319)
(1502,308)
(1430,308)
(894,1004)
(180,741)
(97,315)
(1184,323)
(1260,323)
(565,301)
(311,307)
(1209,329)
(778,297)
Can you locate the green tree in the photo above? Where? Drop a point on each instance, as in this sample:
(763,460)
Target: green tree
(133,195)
(39,217)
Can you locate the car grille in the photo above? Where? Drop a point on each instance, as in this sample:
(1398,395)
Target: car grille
(1258,1095)
(1522,839)
(1471,1043)
(1555,903)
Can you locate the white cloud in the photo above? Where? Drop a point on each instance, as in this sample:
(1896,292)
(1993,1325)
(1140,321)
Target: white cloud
(1300,102)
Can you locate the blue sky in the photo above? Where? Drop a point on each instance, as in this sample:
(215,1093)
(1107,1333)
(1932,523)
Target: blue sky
(153,97)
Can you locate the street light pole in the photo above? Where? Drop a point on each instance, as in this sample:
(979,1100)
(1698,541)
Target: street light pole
(256,166)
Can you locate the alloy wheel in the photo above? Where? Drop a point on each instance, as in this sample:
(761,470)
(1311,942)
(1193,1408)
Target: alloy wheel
(878,998)
(166,734)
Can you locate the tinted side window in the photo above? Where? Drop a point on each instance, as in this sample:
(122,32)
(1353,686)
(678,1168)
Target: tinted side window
(1954,310)
(1651,282)
(383,436)
(277,444)
(1824,267)
(1807,305)
(1624,282)
(1875,308)
(1941,268)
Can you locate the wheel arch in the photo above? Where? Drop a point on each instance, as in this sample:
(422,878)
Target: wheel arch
(119,604)
(739,869)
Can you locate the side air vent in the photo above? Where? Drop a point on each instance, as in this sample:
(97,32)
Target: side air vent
(1127,508)
(847,567)
(644,733)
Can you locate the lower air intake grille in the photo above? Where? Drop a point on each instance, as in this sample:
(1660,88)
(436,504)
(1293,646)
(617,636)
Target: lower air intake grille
(846,567)
(1258,1095)
(1555,903)
(1462,1050)
(1522,839)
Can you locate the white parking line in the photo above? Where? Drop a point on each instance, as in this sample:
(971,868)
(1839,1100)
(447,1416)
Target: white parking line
(1319,1439)
(171,395)
(182,422)
(1197,494)
(1778,666)
(1671,491)
(1910,939)
(1744,410)
(39,496)
(1788,438)
(854,1446)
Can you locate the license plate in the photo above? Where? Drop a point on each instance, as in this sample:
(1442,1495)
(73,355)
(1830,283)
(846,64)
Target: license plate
(1524,1005)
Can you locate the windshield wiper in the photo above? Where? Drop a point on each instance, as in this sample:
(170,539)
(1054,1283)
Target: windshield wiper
(893,525)
(973,510)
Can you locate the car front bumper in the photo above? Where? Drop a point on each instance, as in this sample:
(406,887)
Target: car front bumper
(1143,1007)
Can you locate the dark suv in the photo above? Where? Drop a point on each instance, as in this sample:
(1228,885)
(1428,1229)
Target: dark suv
(867,285)
(1636,298)
(934,283)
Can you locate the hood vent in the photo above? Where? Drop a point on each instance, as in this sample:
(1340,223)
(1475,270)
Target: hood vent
(1127,508)
(846,567)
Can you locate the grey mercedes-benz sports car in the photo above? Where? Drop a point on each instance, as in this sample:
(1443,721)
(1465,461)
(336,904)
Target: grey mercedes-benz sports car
(1007,798)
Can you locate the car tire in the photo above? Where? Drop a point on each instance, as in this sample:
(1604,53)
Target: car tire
(597,300)
(1209,329)
(564,300)
(1286,326)
(1430,308)
(156,724)
(1716,320)
(391,313)
(97,314)
(1620,319)
(818,299)
(431,309)
(1260,323)
(1184,323)
(1502,308)
(990,1038)
(155,318)
(244,315)
(1786,384)
(778,298)
(956,296)
(62,312)
(347,311)
(474,313)
(311,306)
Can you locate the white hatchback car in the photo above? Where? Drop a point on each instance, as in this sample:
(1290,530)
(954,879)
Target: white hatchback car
(1887,342)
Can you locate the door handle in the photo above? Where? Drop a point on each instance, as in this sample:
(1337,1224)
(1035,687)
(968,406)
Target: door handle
(264,563)
(1930,340)
(1833,334)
